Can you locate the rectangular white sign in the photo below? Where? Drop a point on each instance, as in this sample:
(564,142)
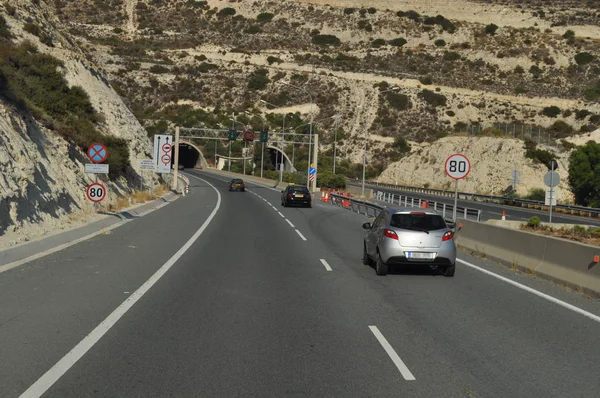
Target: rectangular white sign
(549,195)
(163,152)
(92,168)
(147,164)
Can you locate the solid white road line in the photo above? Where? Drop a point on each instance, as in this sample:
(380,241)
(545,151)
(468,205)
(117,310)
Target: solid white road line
(289,222)
(58,248)
(300,234)
(280,214)
(42,385)
(533,291)
(390,351)
(327,267)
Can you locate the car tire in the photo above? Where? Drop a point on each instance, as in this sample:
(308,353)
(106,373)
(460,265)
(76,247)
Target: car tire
(449,271)
(381,268)
(365,257)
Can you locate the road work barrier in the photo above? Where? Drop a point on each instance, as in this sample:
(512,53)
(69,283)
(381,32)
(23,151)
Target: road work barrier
(572,263)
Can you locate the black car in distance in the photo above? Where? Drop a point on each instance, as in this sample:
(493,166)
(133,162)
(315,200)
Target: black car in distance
(296,195)
(237,185)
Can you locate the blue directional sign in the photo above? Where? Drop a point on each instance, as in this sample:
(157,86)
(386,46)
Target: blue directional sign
(312,170)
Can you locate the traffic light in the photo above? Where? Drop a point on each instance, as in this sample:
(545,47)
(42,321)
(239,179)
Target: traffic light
(264,136)
(233,135)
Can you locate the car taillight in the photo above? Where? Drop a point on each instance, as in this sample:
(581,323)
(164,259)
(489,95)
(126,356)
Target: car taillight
(447,236)
(390,234)
(289,195)
(308,196)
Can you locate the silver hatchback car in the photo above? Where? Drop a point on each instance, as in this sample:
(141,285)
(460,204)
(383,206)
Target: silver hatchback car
(401,236)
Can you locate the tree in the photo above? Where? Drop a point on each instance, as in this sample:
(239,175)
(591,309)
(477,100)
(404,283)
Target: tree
(584,174)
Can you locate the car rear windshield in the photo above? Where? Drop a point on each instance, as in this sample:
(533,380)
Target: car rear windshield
(300,189)
(238,181)
(418,222)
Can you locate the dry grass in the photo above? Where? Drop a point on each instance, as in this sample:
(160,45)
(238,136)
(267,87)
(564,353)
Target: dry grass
(137,197)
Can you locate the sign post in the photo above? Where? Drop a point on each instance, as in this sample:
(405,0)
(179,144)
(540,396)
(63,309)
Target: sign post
(551,179)
(95,192)
(312,172)
(163,145)
(457,167)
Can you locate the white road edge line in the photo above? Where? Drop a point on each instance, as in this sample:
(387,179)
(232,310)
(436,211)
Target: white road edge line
(533,291)
(300,234)
(289,222)
(392,354)
(44,383)
(23,261)
(280,214)
(327,267)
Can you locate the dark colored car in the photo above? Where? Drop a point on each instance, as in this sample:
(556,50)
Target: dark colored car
(296,195)
(237,185)
(180,167)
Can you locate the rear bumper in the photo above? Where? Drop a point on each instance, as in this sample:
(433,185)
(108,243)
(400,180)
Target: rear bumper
(392,253)
(298,202)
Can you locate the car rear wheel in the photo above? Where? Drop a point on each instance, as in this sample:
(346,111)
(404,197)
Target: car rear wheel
(449,271)
(381,268)
(365,258)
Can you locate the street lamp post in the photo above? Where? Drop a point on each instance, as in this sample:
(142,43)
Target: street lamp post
(365,147)
(243,158)
(281,147)
(310,131)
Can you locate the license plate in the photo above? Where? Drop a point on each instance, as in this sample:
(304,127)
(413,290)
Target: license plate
(420,256)
(238,185)
(299,196)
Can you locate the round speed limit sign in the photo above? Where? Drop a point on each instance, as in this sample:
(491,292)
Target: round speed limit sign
(458,166)
(95,192)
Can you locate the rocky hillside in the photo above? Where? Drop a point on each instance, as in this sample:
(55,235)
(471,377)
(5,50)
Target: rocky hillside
(54,102)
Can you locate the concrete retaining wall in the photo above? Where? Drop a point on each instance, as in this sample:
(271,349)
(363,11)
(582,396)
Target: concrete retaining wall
(558,259)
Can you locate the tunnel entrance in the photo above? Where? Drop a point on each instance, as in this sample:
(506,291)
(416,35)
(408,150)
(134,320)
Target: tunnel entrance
(189,155)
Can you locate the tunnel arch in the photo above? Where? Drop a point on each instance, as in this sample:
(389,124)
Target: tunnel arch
(287,163)
(191,156)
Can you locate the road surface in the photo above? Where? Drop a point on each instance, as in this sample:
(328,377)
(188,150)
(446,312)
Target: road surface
(253,299)
(493,211)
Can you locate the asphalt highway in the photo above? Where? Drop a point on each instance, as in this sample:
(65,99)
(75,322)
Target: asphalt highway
(228,294)
(493,211)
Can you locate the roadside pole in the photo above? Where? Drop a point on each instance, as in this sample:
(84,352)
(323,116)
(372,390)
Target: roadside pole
(315,161)
(457,167)
(455,200)
(176,168)
(551,190)
(262,157)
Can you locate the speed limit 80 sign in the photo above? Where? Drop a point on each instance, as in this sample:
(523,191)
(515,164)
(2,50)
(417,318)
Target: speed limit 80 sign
(458,166)
(95,192)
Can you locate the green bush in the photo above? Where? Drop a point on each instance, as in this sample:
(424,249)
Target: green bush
(540,156)
(441,21)
(440,43)
(372,10)
(227,11)
(265,17)
(534,222)
(158,69)
(536,194)
(584,58)
(569,35)
(412,15)
(401,145)
(326,40)
(349,11)
(271,60)
(365,25)
(560,129)
(253,29)
(551,111)
(592,93)
(426,80)
(4,30)
(398,42)
(432,98)
(327,179)
(378,43)
(491,29)
(584,174)
(32,28)
(259,79)
(451,56)
(398,101)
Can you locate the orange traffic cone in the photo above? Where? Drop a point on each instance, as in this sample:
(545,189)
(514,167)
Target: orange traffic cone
(503,215)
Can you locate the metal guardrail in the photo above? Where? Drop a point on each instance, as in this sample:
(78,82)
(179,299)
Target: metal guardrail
(572,209)
(367,207)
